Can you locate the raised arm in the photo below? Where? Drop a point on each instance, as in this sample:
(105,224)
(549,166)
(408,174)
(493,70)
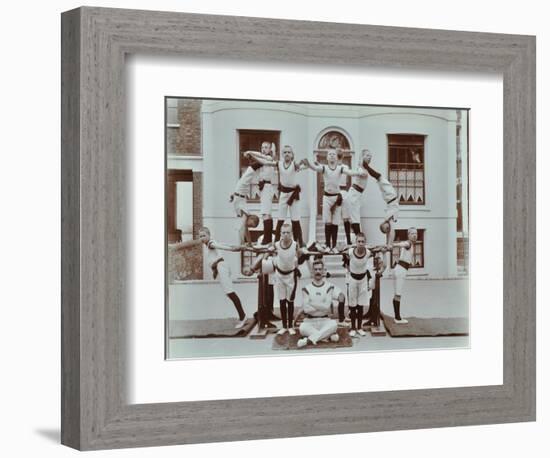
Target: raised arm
(261,158)
(316,167)
(354,173)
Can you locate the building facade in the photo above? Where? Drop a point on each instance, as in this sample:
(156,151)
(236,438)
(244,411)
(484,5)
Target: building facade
(423,152)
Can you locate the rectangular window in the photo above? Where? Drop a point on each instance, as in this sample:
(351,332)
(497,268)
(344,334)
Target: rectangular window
(251,140)
(406,167)
(418,248)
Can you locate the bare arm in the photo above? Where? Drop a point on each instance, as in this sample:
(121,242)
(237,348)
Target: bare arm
(186,244)
(354,173)
(224,246)
(406,244)
(315,166)
(261,158)
(256,266)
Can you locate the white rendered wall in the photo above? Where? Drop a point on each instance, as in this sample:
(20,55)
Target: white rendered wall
(301,127)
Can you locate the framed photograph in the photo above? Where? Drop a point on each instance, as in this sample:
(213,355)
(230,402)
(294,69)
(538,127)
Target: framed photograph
(394,196)
(262,229)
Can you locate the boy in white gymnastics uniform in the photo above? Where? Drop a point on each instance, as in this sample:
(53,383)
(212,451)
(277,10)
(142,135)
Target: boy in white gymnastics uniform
(351,207)
(238,198)
(221,270)
(390,197)
(359,288)
(285,264)
(289,190)
(400,270)
(317,301)
(332,199)
(266,186)
(344,189)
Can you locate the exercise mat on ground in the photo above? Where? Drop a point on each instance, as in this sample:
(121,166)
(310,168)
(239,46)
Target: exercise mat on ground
(220,327)
(426,327)
(288,342)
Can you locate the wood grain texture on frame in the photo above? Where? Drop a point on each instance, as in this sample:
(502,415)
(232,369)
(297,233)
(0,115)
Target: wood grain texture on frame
(95,410)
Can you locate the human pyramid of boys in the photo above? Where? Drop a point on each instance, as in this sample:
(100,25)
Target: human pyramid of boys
(280,255)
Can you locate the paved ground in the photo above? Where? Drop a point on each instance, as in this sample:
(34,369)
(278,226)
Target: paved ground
(421,298)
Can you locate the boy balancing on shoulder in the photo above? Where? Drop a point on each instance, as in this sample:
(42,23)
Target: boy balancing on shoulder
(238,198)
(289,190)
(220,269)
(332,199)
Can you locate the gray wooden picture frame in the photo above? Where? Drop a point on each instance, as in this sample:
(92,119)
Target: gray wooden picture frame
(95,411)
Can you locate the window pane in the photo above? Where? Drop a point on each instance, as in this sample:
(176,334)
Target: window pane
(406,167)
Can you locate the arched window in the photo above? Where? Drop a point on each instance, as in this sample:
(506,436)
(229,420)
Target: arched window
(333,140)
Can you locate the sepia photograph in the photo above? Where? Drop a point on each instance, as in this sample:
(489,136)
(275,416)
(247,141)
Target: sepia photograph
(304,228)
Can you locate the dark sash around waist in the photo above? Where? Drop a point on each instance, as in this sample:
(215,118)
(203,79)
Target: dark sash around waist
(357,188)
(214,267)
(338,199)
(390,201)
(284,272)
(311,316)
(262,183)
(295,193)
(404,264)
(359,276)
(239,195)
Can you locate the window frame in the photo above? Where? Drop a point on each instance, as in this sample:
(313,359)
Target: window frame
(421,242)
(391,142)
(277,133)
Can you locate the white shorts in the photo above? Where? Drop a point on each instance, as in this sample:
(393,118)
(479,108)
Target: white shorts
(351,207)
(358,292)
(286,210)
(392,210)
(239,204)
(328,216)
(285,285)
(345,212)
(399,275)
(266,199)
(224,277)
(318,328)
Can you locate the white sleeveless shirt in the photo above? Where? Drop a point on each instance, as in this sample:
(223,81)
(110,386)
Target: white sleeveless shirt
(359,180)
(286,258)
(406,254)
(332,178)
(266,173)
(358,265)
(287,175)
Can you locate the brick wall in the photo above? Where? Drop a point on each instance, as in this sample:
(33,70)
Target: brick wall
(187,264)
(188,138)
(197,218)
